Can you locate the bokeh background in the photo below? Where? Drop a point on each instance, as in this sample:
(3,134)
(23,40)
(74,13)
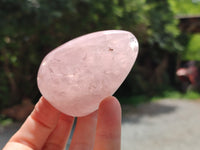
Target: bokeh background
(29,29)
(167,70)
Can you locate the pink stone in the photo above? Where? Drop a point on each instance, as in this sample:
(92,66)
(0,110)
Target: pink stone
(79,74)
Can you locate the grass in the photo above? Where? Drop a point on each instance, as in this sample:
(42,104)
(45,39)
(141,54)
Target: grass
(190,95)
(5,121)
(167,94)
(134,100)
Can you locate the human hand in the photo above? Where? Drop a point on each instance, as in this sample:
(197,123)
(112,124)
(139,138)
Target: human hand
(48,129)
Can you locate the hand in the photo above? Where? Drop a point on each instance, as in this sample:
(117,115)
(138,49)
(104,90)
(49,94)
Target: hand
(48,129)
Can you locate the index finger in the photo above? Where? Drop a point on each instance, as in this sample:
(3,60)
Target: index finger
(36,129)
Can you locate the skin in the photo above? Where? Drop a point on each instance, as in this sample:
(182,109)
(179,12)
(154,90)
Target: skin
(48,129)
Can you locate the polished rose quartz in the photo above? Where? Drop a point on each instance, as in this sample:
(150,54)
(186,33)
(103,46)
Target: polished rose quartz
(79,74)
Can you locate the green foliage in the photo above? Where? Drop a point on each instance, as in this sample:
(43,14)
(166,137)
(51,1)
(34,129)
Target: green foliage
(188,8)
(163,29)
(185,7)
(155,66)
(32,28)
(192,51)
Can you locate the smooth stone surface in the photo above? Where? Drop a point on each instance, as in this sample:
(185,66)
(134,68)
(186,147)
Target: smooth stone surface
(79,74)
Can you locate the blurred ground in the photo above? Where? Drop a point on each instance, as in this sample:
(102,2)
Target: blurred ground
(7,132)
(166,124)
(162,125)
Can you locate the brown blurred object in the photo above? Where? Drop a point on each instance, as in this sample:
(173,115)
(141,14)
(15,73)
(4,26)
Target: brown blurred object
(189,75)
(190,24)
(19,112)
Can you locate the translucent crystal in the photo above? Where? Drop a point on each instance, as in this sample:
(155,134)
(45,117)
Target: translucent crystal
(79,74)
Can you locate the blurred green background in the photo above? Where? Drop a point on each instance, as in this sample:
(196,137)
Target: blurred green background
(29,29)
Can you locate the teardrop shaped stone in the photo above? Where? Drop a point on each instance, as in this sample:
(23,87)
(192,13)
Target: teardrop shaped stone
(79,74)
